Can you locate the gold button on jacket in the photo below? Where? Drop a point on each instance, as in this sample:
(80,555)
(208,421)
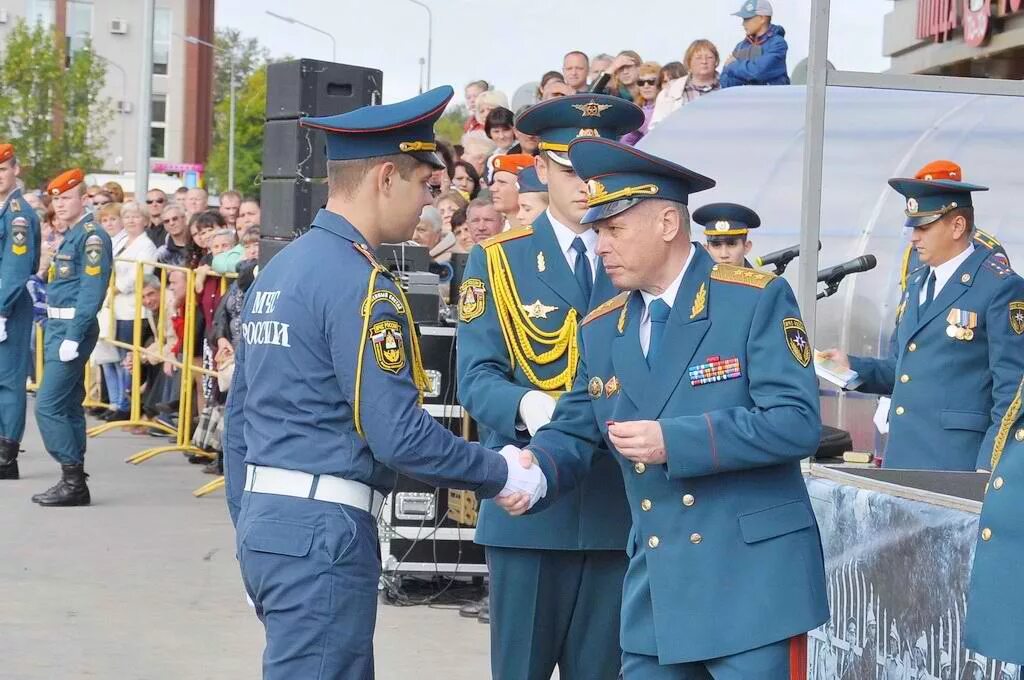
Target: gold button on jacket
(653,542)
(696,538)
(688,500)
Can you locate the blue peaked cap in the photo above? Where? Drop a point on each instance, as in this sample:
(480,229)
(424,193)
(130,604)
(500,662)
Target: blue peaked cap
(371,131)
(619,176)
(726,219)
(928,201)
(529,182)
(559,121)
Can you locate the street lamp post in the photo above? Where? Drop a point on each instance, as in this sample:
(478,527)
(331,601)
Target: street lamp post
(124,98)
(292,20)
(145,102)
(231,104)
(430,36)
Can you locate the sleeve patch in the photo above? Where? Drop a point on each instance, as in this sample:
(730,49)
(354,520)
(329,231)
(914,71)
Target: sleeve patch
(93,255)
(388,347)
(472,300)
(19,236)
(797,341)
(1017,317)
(383,296)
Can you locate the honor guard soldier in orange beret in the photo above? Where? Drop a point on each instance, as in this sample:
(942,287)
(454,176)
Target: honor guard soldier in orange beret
(77,287)
(19,259)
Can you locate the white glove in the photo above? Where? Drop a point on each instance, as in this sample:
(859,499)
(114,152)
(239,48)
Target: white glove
(3,328)
(68,350)
(530,481)
(536,409)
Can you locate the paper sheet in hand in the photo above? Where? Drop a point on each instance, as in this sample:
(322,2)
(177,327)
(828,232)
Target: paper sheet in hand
(829,370)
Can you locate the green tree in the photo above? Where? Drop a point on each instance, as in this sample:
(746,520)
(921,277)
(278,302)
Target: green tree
(248,55)
(250,109)
(449,126)
(35,85)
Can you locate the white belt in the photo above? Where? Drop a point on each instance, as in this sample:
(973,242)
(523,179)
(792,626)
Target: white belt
(65,313)
(281,482)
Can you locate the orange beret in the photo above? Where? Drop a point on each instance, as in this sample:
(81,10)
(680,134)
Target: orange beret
(513,162)
(940,170)
(6,152)
(67,180)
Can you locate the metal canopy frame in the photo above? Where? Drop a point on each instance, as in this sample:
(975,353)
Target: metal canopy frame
(818,80)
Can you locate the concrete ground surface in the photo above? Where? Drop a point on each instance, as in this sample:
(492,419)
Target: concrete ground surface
(143,585)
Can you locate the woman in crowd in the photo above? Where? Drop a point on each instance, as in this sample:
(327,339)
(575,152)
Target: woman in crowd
(701,62)
(619,79)
(673,70)
(487,102)
(647,93)
(477,149)
(115,191)
(133,248)
(448,204)
(474,90)
(463,239)
(552,84)
(499,129)
(466,180)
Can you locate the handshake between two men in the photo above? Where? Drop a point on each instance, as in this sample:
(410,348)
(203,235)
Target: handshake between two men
(640,441)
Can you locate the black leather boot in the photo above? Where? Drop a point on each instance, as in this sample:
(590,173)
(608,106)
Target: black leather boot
(71,490)
(8,458)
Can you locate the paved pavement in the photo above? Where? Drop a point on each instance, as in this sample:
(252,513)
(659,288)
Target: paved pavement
(143,585)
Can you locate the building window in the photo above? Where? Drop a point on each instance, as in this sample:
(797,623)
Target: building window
(42,12)
(158,127)
(79,28)
(161,41)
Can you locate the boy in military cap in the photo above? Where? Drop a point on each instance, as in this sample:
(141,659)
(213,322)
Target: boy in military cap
(533,195)
(19,260)
(521,299)
(960,322)
(726,229)
(78,281)
(325,404)
(699,377)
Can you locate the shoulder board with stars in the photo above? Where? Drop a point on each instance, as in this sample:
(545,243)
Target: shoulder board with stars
(986,239)
(605,308)
(999,265)
(744,276)
(365,252)
(510,235)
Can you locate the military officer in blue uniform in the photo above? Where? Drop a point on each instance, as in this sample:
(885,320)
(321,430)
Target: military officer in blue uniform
(699,378)
(726,231)
(959,347)
(77,287)
(325,404)
(19,259)
(521,299)
(995,604)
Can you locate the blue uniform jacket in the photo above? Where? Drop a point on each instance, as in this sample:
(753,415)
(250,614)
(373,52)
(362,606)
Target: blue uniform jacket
(19,251)
(949,394)
(79,276)
(995,605)
(299,376)
(724,553)
(760,62)
(593,516)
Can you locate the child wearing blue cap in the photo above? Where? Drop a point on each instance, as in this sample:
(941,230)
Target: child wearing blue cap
(760,58)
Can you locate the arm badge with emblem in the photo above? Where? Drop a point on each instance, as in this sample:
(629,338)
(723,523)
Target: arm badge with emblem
(472,300)
(388,348)
(1017,317)
(93,254)
(796,340)
(19,235)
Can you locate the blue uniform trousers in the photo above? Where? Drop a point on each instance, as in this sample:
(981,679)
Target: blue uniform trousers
(771,662)
(59,410)
(555,607)
(15,359)
(312,569)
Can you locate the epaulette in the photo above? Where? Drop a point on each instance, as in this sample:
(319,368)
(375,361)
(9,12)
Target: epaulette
(986,239)
(742,275)
(510,235)
(998,264)
(365,252)
(606,308)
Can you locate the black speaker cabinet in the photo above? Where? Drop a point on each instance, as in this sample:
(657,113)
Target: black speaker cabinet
(270,246)
(290,151)
(307,87)
(289,205)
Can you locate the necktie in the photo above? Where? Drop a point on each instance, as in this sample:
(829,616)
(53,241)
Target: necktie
(659,311)
(582,270)
(929,294)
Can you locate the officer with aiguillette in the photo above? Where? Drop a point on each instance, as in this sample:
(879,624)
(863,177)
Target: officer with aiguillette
(78,283)
(521,300)
(19,259)
(325,404)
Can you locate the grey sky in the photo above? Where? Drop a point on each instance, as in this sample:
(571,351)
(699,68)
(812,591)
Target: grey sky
(510,43)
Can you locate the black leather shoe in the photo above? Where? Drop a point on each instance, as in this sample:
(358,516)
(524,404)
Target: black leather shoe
(118,416)
(8,458)
(70,491)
